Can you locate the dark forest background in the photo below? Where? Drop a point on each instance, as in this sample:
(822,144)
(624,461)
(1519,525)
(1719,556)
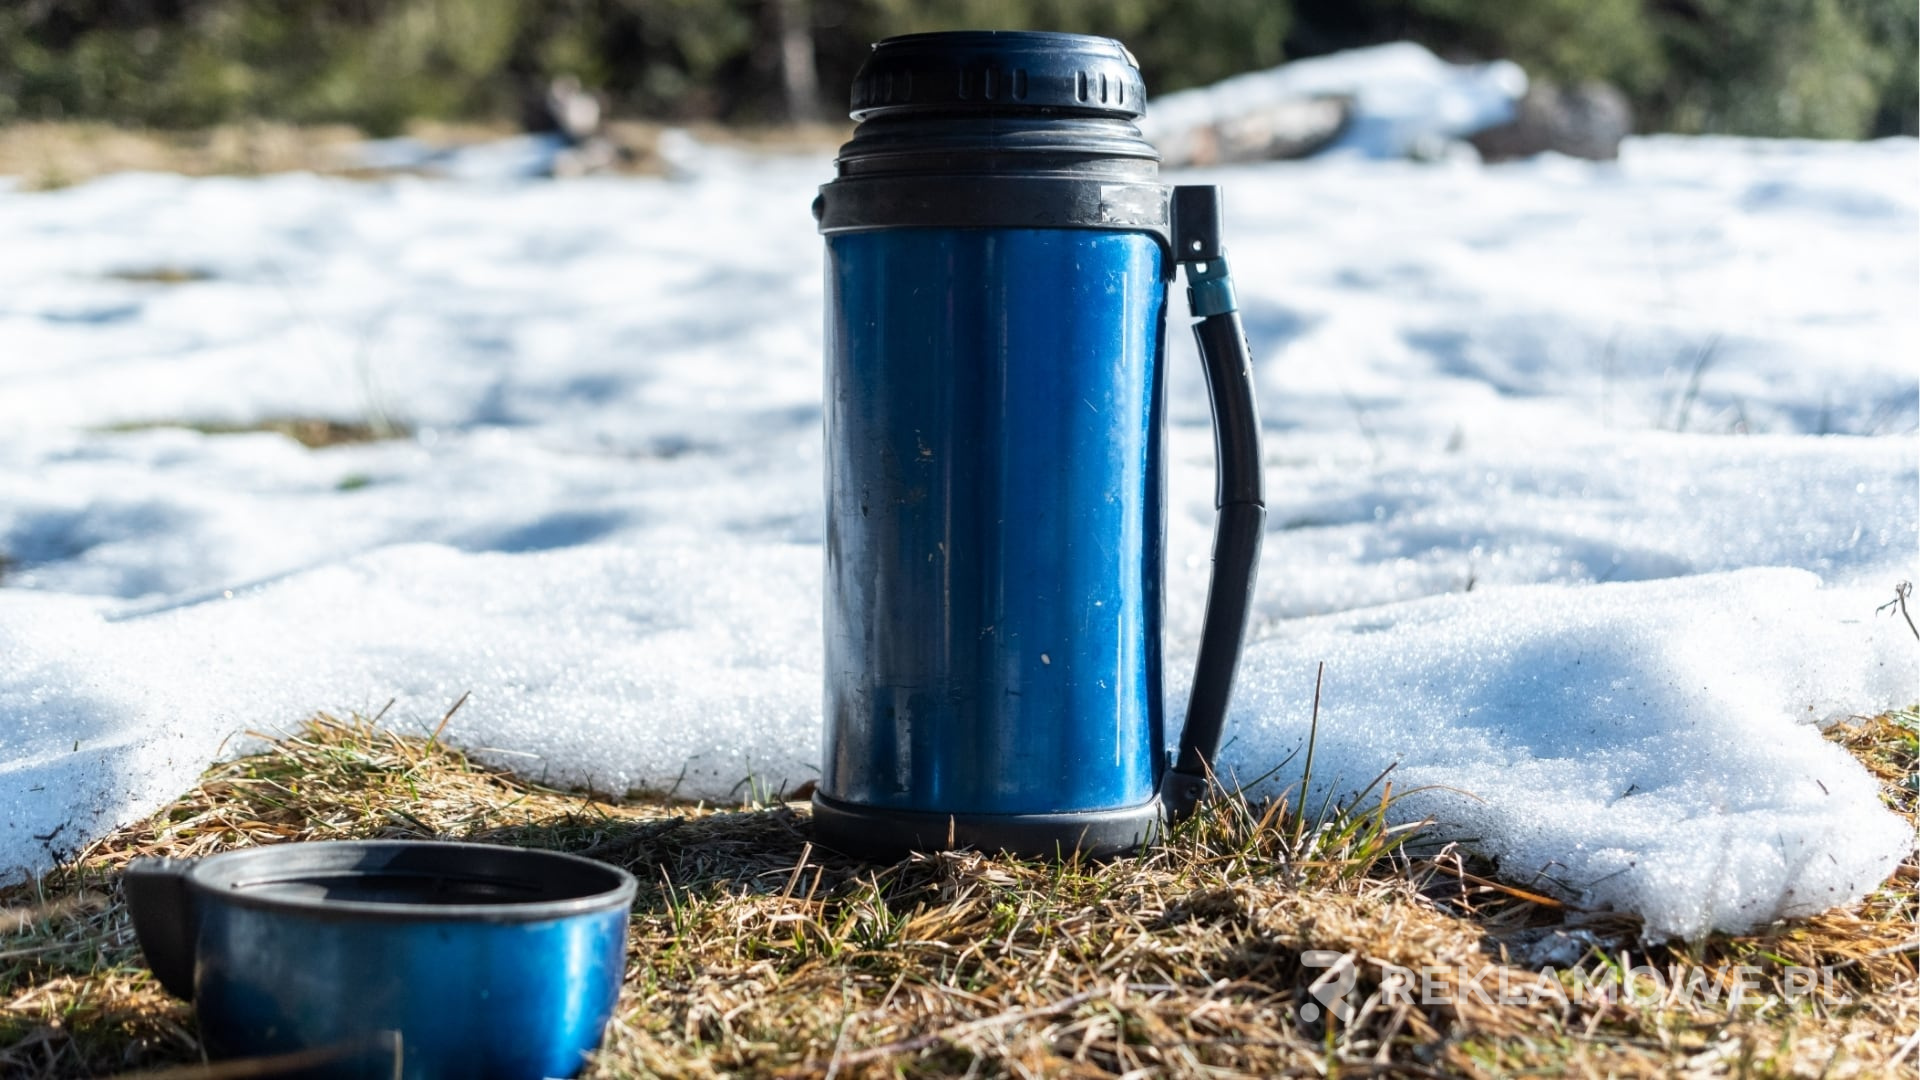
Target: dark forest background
(1822,68)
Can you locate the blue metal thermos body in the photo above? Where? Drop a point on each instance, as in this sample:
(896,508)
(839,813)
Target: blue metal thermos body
(999,250)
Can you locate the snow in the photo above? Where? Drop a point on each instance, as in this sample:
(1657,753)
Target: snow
(517,158)
(1585,480)
(1651,747)
(1407,102)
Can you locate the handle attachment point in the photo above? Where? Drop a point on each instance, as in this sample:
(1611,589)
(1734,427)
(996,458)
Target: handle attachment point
(1196,223)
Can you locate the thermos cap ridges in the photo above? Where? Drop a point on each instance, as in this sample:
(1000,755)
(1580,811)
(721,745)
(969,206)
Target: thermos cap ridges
(1011,71)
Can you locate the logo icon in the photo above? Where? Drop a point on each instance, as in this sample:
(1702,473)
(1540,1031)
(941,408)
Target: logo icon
(1329,991)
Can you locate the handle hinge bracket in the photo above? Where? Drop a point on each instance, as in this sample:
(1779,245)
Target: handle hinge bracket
(1197,247)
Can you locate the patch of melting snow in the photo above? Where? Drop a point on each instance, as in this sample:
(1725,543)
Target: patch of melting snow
(1536,434)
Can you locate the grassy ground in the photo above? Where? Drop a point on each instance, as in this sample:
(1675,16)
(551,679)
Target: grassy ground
(755,954)
(46,156)
(50,155)
(310,432)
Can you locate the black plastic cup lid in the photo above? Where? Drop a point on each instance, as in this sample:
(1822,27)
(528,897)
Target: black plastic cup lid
(1014,71)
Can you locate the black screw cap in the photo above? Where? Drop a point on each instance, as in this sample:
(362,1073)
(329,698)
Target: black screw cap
(1006,71)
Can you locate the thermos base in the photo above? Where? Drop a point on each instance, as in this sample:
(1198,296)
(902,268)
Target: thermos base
(881,833)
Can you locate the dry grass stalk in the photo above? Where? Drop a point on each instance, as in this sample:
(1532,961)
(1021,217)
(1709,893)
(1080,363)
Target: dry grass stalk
(756,954)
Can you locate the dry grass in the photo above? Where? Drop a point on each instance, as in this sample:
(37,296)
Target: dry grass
(54,155)
(47,156)
(754,954)
(312,432)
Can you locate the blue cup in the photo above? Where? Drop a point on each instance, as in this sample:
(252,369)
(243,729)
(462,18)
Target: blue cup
(390,958)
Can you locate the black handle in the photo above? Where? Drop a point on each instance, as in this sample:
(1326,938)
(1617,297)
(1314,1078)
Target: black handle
(1238,493)
(163,920)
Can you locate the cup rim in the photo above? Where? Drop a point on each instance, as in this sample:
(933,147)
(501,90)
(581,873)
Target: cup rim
(228,878)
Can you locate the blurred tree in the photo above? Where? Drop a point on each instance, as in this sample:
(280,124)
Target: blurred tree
(1842,68)
(1894,25)
(1561,40)
(177,63)
(1817,68)
(1823,68)
(794,25)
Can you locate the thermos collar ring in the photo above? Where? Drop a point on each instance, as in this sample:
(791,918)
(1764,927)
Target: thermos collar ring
(996,202)
(1184,220)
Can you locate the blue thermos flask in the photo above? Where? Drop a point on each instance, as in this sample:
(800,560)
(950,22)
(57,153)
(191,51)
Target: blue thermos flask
(999,250)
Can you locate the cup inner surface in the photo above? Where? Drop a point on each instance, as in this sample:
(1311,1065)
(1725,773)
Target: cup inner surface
(424,878)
